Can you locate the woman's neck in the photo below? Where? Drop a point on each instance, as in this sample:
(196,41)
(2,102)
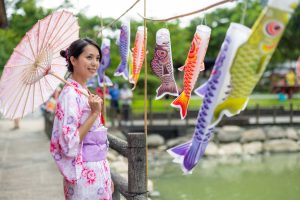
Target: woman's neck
(79,80)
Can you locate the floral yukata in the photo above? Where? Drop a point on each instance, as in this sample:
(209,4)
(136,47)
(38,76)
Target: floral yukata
(83,164)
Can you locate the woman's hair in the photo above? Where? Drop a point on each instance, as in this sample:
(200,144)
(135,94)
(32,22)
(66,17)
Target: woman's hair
(75,49)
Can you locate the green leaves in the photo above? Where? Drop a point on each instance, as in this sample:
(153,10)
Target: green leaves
(26,14)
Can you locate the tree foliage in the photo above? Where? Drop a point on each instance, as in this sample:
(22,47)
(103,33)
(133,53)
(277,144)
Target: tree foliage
(26,14)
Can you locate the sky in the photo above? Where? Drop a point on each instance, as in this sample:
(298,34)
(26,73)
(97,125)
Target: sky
(155,8)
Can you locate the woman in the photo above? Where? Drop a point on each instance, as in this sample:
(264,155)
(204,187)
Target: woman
(79,140)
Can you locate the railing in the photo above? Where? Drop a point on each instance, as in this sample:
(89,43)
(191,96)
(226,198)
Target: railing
(135,151)
(257,114)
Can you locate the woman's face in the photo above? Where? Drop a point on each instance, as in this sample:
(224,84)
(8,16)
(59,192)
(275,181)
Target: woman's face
(87,63)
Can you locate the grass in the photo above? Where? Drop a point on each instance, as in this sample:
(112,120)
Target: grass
(271,103)
(163,105)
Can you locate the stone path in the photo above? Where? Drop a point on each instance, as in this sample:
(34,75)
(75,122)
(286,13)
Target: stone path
(27,171)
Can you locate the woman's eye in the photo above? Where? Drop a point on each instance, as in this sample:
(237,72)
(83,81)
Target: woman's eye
(89,57)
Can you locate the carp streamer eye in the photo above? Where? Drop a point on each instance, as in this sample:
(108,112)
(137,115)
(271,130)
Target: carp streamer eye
(273,28)
(161,53)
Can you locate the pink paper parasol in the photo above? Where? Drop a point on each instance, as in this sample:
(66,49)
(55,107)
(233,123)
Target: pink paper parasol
(35,68)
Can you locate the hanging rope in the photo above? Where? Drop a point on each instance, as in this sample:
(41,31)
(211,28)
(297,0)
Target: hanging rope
(244,12)
(203,20)
(145,93)
(113,22)
(188,14)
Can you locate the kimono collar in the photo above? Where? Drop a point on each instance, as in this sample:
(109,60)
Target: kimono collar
(77,85)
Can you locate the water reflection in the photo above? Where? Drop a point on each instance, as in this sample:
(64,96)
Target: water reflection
(264,177)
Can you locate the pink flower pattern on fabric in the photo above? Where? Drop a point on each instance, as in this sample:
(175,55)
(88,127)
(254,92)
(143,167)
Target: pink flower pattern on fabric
(76,85)
(59,113)
(82,180)
(91,177)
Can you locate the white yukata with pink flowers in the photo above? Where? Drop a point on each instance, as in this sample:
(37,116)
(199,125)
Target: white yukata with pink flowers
(83,180)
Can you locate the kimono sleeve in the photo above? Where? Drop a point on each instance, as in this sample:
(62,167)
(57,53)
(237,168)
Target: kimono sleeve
(67,117)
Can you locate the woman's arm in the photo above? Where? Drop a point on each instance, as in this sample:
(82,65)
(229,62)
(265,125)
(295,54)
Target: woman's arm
(95,103)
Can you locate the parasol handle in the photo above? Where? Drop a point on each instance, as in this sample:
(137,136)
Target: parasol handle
(66,82)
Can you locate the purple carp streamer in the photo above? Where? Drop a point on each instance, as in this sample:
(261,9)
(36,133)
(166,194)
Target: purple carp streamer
(162,64)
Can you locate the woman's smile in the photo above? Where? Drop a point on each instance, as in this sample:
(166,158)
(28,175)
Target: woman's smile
(92,70)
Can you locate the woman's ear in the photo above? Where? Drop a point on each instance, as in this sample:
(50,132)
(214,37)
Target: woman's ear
(73,60)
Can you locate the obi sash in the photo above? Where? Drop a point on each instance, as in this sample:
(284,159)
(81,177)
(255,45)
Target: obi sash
(95,145)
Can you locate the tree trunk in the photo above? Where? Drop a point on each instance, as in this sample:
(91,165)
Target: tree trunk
(3,17)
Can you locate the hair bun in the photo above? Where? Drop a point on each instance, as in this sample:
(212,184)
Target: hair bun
(63,53)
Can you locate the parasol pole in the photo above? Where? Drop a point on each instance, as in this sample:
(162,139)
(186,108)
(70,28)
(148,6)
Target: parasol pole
(66,82)
(145,95)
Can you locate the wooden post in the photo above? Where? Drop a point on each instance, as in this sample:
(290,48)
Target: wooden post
(137,178)
(169,117)
(118,144)
(291,113)
(121,186)
(113,116)
(131,117)
(150,111)
(187,121)
(257,113)
(274,114)
(116,195)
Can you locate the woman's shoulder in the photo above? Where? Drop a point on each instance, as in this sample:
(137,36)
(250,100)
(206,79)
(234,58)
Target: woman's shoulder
(69,93)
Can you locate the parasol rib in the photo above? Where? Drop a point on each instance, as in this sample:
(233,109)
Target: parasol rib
(43,99)
(66,31)
(57,64)
(54,28)
(25,83)
(23,55)
(42,47)
(13,77)
(38,38)
(10,92)
(56,49)
(46,80)
(14,113)
(32,51)
(27,97)
(60,29)
(20,66)
(33,97)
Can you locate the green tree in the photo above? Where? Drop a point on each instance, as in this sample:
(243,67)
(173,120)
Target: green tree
(220,19)
(25,15)
(289,45)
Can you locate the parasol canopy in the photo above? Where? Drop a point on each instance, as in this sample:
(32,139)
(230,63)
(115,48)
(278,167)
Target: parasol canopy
(33,71)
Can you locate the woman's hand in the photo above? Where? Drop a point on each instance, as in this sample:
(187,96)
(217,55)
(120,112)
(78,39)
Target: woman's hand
(95,103)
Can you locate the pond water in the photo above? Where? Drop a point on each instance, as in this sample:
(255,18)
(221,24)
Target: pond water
(264,177)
